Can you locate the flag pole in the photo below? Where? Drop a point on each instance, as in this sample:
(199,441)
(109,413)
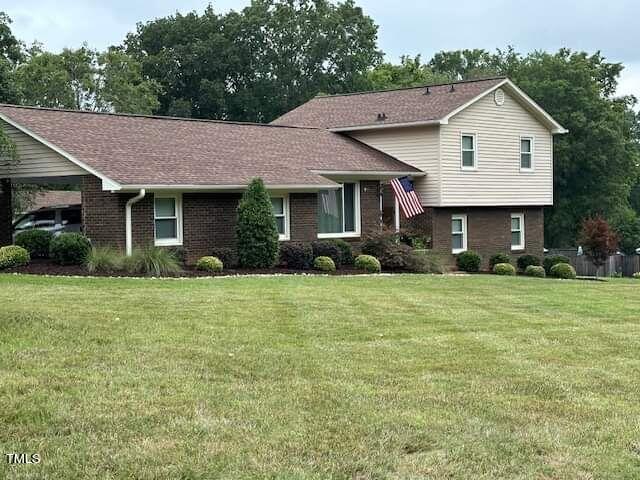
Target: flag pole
(397,214)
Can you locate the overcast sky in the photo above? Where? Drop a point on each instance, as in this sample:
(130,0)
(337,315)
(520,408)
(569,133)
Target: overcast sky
(406,26)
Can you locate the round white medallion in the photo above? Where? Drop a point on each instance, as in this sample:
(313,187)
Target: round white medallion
(498,97)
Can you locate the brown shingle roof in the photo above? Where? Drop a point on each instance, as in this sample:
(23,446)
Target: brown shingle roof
(143,150)
(56,198)
(400,106)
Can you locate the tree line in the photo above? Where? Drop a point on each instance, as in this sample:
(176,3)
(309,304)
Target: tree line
(260,62)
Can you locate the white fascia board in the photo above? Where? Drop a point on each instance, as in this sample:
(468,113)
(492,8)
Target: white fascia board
(105,180)
(360,128)
(228,188)
(367,174)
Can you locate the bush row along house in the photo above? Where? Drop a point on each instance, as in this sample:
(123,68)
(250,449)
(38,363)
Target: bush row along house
(480,154)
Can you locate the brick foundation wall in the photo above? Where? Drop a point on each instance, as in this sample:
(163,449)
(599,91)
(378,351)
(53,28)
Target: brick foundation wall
(6,213)
(489,231)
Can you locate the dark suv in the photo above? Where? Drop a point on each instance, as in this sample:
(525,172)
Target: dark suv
(54,219)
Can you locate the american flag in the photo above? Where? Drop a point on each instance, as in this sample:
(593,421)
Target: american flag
(407,197)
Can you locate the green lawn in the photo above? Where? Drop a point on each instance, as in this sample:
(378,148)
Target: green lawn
(320,377)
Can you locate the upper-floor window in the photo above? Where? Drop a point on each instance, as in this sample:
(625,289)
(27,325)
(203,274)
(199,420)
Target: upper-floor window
(339,211)
(280,206)
(469,149)
(458,233)
(526,153)
(517,231)
(167,219)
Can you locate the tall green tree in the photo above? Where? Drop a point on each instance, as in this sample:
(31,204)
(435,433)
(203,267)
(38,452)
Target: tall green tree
(411,72)
(257,63)
(10,54)
(84,79)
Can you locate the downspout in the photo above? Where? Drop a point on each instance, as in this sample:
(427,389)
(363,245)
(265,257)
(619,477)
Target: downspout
(128,230)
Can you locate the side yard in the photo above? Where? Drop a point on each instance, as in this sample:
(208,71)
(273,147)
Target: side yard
(407,376)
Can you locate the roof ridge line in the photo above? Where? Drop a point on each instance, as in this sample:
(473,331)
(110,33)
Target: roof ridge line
(158,117)
(385,90)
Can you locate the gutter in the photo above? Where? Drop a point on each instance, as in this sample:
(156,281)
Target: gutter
(128,229)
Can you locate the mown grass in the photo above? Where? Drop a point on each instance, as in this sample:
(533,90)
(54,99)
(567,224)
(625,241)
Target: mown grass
(320,377)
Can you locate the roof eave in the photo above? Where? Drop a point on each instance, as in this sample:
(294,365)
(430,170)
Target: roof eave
(226,188)
(356,128)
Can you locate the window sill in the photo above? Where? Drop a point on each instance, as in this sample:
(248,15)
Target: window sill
(339,235)
(458,251)
(284,238)
(469,169)
(518,249)
(168,243)
(527,170)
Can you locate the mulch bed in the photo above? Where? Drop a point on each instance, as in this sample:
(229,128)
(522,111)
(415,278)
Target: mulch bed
(40,266)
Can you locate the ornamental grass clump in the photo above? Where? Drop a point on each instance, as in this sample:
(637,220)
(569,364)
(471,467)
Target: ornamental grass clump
(104,260)
(153,261)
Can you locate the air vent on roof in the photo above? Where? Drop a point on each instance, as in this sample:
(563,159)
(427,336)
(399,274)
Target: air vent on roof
(427,92)
(453,88)
(382,117)
(498,97)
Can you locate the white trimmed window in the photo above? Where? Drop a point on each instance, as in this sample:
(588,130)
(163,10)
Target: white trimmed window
(280,206)
(517,231)
(339,211)
(468,151)
(167,219)
(458,233)
(526,154)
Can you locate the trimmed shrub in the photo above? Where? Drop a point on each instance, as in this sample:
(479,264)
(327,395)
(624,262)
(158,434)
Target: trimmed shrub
(346,251)
(498,258)
(525,260)
(256,230)
(104,260)
(424,262)
(328,249)
(368,264)
(36,242)
(324,264)
(210,264)
(70,249)
(469,261)
(385,245)
(563,270)
(228,256)
(504,269)
(297,256)
(155,261)
(552,260)
(13,256)
(535,271)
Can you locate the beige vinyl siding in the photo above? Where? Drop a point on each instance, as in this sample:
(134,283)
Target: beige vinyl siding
(416,146)
(35,159)
(497,179)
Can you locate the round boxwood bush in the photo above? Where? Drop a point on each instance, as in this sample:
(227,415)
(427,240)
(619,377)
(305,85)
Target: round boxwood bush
(525,260)
(504,269)
(36,242)
(535,271)
(297,256)
(329,249)
(324,264)
(210,264)
(498,258)
(13,256)
(563,270)
(69,249)
(552,260)
(368,264)
(469,261)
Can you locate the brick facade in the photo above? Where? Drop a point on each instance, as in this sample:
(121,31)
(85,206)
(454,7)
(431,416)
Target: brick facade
(209,219)
(6,213)
(489,231)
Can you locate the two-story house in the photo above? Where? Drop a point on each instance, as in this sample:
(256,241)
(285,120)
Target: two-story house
(480,154)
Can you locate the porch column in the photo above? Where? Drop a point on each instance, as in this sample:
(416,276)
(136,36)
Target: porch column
(6,213)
